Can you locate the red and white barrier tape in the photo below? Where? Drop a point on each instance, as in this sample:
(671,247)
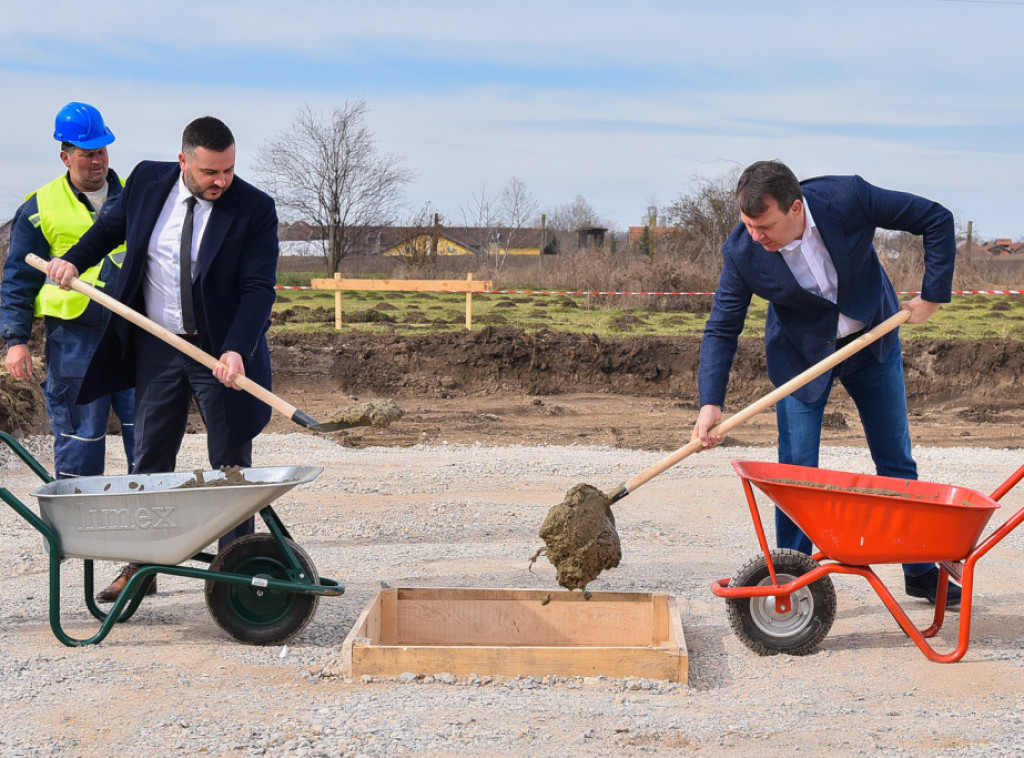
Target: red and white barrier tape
(595,292)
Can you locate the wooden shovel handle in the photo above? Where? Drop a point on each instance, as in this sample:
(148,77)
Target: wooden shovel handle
(765,402)
(172,339)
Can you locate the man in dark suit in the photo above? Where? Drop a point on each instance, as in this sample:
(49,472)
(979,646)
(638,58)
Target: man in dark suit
(807,249)
(201,261)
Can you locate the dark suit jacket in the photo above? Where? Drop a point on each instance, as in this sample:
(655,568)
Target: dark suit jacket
(801,327)
(233,291)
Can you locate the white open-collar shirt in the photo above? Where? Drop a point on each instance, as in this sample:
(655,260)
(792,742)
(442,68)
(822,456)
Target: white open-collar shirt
(162,283)
(811,264)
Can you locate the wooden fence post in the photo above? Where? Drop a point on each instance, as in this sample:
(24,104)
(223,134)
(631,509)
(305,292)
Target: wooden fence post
(469,306)
(337,303)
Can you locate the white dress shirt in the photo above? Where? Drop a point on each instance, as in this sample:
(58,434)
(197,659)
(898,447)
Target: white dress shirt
(161,286)
(811,264)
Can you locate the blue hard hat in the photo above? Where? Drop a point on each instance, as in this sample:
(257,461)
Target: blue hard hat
(82,126)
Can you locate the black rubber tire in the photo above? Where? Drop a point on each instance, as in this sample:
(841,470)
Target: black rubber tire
(767,632)
(255,615)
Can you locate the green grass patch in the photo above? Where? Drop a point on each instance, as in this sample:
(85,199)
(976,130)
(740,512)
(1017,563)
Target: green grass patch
(967,317)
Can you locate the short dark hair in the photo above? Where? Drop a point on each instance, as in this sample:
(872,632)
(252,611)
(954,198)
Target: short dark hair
(206,132)
(763,180)
(70,147)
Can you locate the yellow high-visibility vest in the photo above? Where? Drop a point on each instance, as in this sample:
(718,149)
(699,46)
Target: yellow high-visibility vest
(63,219)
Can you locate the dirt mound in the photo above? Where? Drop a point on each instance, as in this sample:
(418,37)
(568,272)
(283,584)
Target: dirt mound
(22,407)
(496,360)
(501,385)
(491,360)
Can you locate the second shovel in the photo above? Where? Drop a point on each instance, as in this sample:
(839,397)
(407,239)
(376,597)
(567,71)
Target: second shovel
(242,382)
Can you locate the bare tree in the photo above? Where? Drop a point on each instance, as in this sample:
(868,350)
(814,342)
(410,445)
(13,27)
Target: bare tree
(902,256)
(704,218)
(567,219)
(571,217)
(419,250)
(326,170)
(500,219)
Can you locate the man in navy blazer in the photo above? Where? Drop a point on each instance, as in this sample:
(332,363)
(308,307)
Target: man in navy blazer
(187,220)
(807,248)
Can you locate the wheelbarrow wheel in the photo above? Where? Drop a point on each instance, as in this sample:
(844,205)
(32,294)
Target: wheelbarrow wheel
(757,621)
(256,615)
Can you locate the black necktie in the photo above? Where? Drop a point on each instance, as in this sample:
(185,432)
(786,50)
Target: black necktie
(188,316)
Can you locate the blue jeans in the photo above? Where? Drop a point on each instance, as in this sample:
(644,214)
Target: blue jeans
(80,431)
(879,392)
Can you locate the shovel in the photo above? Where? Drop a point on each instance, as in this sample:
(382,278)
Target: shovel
(172,339)
(764,403)
(579,533)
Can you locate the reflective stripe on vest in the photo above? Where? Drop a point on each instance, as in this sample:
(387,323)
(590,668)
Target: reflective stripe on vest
(63,219)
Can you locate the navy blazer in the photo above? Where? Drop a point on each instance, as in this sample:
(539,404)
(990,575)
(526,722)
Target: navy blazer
(233,290)
(800,328)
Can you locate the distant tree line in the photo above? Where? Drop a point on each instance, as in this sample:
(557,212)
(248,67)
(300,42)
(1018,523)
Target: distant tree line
(326,169)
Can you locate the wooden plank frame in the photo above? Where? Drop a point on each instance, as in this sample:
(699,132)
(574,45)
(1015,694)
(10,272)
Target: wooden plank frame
(511,632)
(402,285)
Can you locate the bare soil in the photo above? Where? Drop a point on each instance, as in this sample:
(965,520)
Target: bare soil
(502,386)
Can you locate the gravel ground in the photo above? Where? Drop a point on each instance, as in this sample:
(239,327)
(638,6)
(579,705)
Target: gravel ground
(169,682)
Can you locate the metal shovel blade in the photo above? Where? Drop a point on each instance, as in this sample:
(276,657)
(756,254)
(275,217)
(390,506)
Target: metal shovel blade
(303,419)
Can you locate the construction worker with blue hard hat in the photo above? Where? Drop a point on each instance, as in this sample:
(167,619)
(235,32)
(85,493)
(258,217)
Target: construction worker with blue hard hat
(48,223)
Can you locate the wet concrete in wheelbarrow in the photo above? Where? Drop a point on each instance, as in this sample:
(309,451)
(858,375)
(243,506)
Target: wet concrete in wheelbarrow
(233,477)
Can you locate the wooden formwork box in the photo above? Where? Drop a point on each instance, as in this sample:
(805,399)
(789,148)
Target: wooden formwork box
(509,632)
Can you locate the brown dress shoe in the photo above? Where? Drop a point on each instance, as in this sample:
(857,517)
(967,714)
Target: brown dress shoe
(113,591)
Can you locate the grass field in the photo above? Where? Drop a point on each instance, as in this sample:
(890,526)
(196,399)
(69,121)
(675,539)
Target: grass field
(967,317)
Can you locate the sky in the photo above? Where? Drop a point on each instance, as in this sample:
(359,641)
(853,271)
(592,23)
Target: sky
(627,104)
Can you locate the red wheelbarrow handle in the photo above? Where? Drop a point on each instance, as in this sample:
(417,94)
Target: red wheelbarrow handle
(765,402)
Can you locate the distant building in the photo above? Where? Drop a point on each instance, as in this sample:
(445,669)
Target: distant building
(471,240)
(1003,247)
(593,237)
(304,239)
(636,233)
(299,238)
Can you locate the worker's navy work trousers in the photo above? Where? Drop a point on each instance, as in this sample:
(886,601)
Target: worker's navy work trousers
(79,431)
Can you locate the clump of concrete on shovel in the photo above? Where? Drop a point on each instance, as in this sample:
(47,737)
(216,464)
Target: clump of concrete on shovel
(379,413)
(580,538)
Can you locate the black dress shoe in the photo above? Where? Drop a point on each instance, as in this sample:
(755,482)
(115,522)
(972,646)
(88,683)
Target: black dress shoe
(113,591)
(927,586)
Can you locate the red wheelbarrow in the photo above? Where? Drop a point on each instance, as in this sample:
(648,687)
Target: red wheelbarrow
(784,602)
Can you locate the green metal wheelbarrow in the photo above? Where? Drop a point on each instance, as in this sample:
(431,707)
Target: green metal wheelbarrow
(262,589)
